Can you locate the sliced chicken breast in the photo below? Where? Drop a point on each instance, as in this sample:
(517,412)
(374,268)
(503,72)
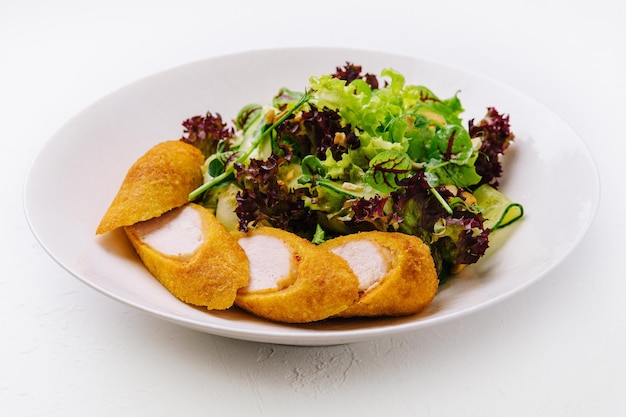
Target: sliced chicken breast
(192,255)
(293,280)
(396,272)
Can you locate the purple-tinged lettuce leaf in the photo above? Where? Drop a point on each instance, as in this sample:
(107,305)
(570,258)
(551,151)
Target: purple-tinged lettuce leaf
(495,132)
(207,132)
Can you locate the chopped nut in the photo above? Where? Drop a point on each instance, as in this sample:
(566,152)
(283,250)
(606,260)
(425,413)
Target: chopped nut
(269,116)
(469,198)
(452,188)
(340,139)
(279,115)
(351,186)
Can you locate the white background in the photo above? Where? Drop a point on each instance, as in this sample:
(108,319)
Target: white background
(556,349)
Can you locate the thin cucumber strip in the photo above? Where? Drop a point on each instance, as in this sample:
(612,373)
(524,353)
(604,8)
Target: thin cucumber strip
(498,210)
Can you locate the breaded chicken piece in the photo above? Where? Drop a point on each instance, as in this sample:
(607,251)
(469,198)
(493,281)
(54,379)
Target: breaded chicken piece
(396,272)
(292,280)
(193,255)
(157,182)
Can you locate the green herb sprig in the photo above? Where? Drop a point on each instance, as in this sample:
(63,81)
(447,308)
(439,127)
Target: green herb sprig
(228,170)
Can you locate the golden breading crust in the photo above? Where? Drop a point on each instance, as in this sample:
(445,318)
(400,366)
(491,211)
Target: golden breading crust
(323,286)
(208,277)
(157,182)
(409,285)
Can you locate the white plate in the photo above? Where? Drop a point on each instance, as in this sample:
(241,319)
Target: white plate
(73,180)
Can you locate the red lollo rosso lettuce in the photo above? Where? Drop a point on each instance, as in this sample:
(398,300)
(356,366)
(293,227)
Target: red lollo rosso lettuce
(372,211)
(264,199)
(456,238)
(366,214)
(495,132)
(316,131)
(207,132)
(350,72)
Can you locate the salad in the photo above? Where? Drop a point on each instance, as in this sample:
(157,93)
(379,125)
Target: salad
(355,152)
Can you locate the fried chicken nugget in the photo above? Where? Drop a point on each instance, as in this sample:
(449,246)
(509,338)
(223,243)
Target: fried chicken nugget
(292,280)
(193,255)
(157,182)
(396,272)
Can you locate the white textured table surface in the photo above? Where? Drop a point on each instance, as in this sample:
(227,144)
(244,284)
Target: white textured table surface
(556,349)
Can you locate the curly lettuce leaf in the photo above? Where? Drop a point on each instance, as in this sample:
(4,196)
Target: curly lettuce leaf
(207,132)
(495,134)
(456,237)
(353,153)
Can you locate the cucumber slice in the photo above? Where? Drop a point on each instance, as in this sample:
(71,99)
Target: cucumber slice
(498,210)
